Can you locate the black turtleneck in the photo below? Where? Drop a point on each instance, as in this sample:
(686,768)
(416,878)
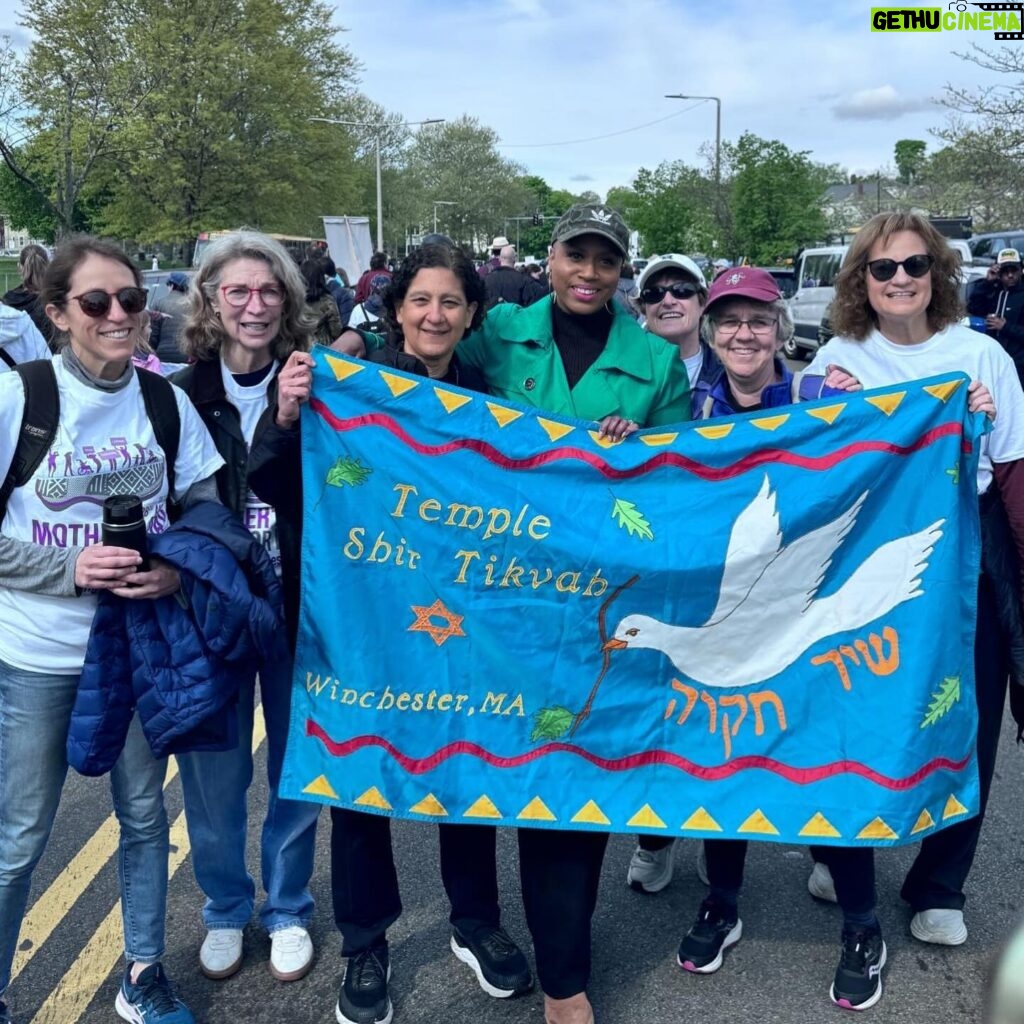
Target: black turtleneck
(580,338)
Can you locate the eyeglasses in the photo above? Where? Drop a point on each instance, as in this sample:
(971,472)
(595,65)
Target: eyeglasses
(757,324)
(915,266)
(237,295)
(97,303)
(656,292)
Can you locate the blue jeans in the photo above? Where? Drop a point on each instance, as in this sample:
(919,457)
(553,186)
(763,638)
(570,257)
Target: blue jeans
(214,787)
(35,709)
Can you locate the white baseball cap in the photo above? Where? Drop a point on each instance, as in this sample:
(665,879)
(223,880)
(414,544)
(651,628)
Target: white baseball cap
(672,260)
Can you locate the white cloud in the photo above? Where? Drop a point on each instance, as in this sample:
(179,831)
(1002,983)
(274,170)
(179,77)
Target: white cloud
(881,104)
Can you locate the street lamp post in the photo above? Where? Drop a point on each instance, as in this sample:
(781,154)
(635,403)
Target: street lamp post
(377,126)
(441,202)
(718,130)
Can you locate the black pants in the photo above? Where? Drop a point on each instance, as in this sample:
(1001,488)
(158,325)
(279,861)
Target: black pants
(853,871)
(560,872)
(936,878)
(653,843)
(364,883)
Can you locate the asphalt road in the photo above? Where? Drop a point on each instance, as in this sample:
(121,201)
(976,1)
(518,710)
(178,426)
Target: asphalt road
(779,972)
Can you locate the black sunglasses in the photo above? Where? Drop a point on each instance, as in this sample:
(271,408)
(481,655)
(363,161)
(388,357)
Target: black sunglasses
(915,266)
(656,292)
(97,303)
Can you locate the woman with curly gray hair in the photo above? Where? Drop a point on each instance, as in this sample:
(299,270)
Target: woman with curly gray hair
(247,315)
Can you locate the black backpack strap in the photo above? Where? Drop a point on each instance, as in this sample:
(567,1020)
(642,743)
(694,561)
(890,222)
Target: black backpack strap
(162,410)
(38,425)
(7,358)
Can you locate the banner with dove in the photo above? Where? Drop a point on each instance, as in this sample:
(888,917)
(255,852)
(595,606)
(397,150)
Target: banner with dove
(755,627)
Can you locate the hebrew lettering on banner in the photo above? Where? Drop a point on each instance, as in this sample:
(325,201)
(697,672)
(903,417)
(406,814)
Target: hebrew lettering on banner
(753,627)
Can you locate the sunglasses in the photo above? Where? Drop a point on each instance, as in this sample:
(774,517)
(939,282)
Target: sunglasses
(656,292)
(1010,268)
(915,266)
(96,303)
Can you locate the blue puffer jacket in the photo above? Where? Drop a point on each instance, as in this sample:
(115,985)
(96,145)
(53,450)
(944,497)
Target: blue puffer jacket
(180,668)
(713,399)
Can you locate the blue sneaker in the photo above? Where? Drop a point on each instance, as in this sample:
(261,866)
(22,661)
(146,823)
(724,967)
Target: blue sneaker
(150,1000)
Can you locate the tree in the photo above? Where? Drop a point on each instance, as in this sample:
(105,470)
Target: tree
(777,199)
(982,167)
(71,94)
(910,156)
(673,209)
(458,161)
(223,137)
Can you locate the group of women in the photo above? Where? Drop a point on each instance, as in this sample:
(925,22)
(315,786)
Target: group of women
(575,353)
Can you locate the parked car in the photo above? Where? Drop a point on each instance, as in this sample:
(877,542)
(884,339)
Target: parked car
(985,247)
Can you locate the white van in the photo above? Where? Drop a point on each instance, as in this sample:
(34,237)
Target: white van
(815,289)
(815,286)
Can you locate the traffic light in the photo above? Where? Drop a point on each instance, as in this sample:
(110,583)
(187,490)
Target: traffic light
(536,220)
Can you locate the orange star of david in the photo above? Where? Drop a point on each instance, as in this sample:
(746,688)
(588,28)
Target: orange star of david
(437,611)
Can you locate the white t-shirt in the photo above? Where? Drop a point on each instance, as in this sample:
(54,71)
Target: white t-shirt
(251,402)
(878,362)
(104,445)
(693,365)
(20,338)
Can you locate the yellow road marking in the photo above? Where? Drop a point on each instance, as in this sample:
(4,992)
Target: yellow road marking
(69,1000)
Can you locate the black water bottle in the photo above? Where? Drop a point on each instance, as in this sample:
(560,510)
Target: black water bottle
(124,525)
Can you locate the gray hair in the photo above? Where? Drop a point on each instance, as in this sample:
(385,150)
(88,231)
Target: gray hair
(784,328)
(203,333)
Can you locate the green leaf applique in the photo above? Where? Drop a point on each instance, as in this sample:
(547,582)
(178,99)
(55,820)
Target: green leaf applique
(942,701)
(551,723)
(347,471)
(630,518)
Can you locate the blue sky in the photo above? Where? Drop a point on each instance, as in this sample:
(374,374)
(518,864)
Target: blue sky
(545,73)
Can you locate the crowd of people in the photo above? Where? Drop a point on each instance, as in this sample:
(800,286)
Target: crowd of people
(214,458)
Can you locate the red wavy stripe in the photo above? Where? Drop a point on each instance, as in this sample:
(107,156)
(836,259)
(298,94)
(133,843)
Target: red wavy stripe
(743,465)
(800,776)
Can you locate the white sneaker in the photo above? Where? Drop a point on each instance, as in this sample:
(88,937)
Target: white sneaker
(650,870)
(291,953)
(220,955)
(941,927)
(820,884)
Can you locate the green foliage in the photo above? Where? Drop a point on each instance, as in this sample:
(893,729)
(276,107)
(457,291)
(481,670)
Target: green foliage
(777,199)
(551,723)
(458,162)
(153,119)
(909,158)
(673,209)
(347,470)
(631,519)
(942,701)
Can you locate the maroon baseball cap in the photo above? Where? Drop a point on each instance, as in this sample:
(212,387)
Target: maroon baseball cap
(743,283)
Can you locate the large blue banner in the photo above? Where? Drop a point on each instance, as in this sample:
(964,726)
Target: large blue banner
(752,627)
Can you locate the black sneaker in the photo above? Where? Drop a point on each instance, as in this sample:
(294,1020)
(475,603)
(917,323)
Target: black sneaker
(364,995)
(497,962)
(715,930)
(858,982)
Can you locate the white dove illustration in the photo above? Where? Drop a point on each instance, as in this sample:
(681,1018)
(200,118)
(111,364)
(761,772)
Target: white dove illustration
(767,613)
